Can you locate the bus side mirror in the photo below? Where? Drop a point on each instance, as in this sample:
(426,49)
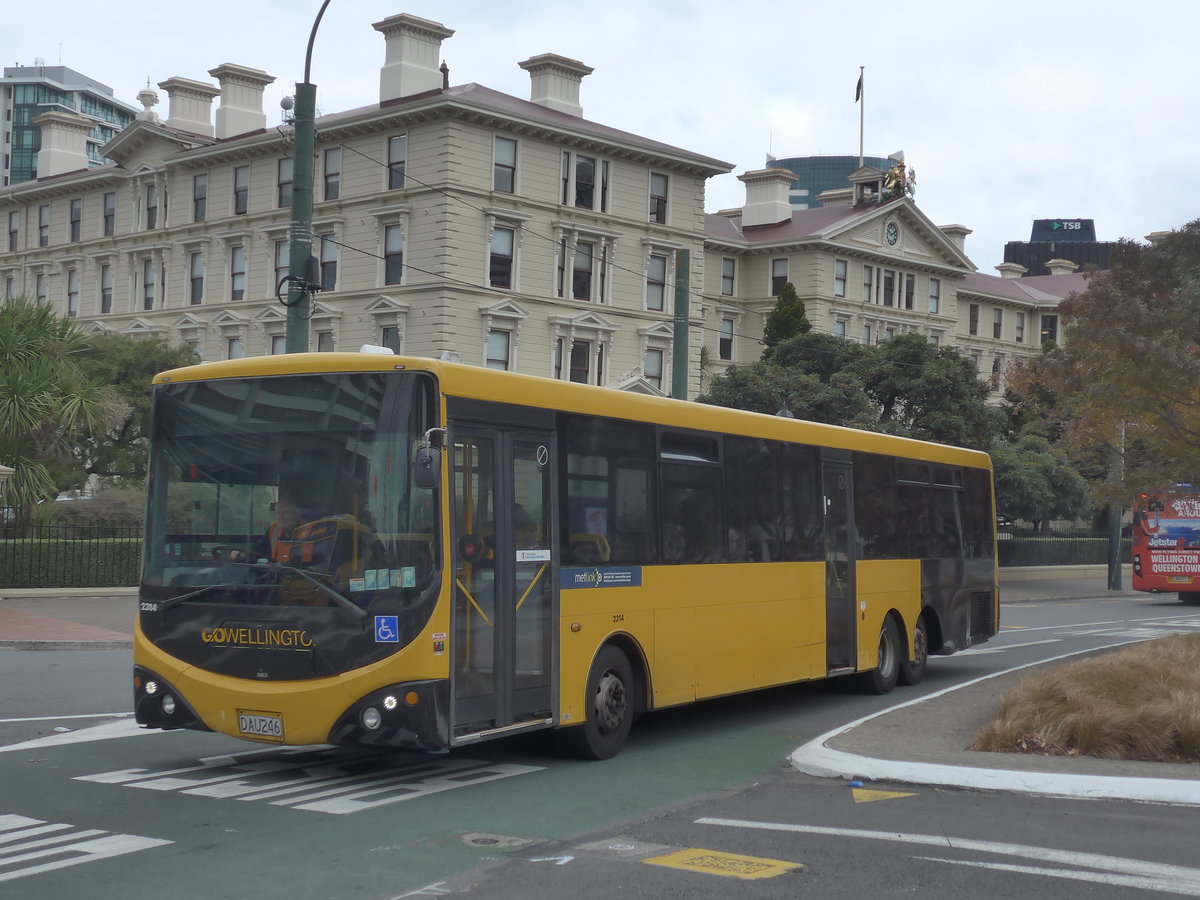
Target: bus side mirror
(427,467)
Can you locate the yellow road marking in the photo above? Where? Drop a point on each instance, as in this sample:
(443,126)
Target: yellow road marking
(714,862)
(866,795)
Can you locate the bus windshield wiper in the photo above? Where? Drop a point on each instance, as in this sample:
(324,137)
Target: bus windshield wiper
(341,600)
(183,598)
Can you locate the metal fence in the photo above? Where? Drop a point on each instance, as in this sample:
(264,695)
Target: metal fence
(98,554)
(1066,548)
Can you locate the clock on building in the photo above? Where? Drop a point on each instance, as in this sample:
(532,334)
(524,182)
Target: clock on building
(892,232)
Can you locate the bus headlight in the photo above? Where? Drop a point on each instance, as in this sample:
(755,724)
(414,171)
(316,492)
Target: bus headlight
(371,718)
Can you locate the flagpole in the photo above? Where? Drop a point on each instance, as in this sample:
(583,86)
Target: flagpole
(862,103)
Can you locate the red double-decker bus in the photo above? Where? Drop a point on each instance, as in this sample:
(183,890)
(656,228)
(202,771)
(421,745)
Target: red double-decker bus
(1166,543)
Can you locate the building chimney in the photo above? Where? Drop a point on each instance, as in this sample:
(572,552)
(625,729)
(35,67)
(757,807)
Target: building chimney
(241,109)
(767,196)
(555,82)
(64,143)
(957,234)
(190,104)
(413,48)
(1061,266)
(1011,269)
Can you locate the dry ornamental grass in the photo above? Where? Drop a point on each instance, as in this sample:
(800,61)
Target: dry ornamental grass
(1141,703)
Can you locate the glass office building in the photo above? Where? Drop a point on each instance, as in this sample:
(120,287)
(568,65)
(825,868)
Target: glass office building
(817,174)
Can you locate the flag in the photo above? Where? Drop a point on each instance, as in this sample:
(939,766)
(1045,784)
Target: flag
(858,90)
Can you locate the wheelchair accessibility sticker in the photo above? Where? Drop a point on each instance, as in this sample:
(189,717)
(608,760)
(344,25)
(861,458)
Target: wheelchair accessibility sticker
(387,629)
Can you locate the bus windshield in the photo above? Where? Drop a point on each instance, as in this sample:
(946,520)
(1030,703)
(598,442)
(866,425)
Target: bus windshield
(295,492)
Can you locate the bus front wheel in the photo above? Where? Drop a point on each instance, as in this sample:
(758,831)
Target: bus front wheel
(882,678)
(913,672)
(610,708)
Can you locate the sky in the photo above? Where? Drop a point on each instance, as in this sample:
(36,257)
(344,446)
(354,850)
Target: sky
(1006,111)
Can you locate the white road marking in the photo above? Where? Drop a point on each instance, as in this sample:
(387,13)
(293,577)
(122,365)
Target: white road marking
(118,729)
(69,847)
(1116,870)
(120,715)
(980,651)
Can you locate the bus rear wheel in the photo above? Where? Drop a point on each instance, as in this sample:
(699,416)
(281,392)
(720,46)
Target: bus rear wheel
(610,708)
(882,678)
(912,672)
(1191,598)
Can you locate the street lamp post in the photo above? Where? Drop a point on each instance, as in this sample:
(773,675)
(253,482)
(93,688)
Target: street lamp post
(299,298)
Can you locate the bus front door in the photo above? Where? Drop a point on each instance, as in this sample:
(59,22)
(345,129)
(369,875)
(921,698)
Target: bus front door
(504,589)
(840,645)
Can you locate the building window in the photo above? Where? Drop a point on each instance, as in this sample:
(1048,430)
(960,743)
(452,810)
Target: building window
(866,335)
(935,294)
(659,185)
(728,274)
(500,259)
(580,362)
(390,337)
(652,368)
(504,168)
(839,277)
(10,288)
(585,182)
(199,198)
(39,289)
(725,339)
(234,348)
(910,290)
(868,295)
(282,258)
(498,346)
(285,177)
(148,283)
(325,341)
(106,288)
(278,344)
(1020,328)
(76,218)
(393,255)
(329,265)
(14,228)
(1049,329)
(581,271)
(44,225)
(72,292)
(151,206)
(397,156)
(839,328)
(997,323)
(196,275)
(237,272)
(973,319)
(656,282)
(889,287)
(779,275)
(241,190)
(110,214)
(333,173)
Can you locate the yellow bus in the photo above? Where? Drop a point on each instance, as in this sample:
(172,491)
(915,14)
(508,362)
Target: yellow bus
(361,548)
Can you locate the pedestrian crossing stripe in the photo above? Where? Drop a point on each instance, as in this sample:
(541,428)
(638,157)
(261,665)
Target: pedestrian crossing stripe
(715,862)
(865,795)
(33,846)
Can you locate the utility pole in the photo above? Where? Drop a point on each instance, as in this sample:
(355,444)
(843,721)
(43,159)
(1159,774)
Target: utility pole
(299,298)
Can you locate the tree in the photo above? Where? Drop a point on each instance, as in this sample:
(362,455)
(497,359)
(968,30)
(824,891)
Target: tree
(768,388)
(1035,483)
(786,319)
(128,365)
(47,404)
(1127,376)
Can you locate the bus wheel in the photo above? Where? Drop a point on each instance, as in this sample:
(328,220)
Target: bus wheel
(882,679)
(913,672)
(610,708)
(1192,598)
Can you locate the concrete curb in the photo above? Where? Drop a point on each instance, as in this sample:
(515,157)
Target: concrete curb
(66,645)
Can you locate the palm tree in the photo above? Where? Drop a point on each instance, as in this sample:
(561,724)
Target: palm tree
(46,403)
